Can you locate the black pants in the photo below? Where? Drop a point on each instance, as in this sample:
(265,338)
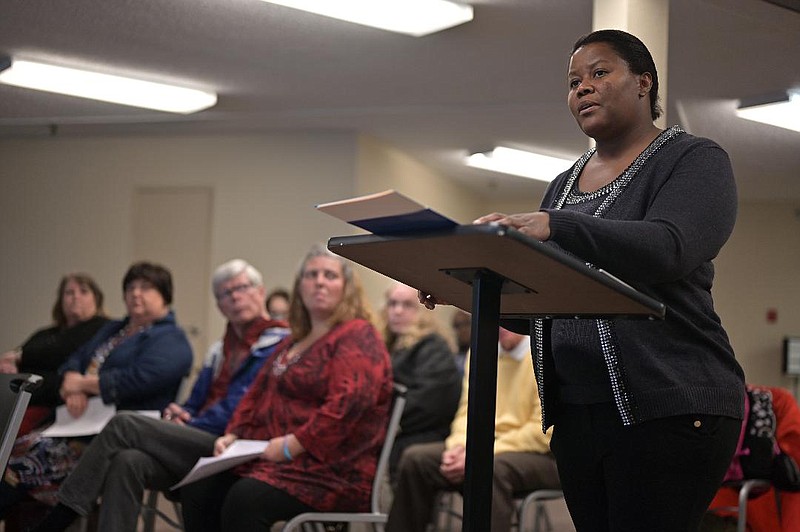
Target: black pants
(659,475)
(231,503)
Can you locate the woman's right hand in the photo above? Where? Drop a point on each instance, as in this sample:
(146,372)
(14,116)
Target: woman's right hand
(72,383)
(9,361)
(76,404)
(223,442)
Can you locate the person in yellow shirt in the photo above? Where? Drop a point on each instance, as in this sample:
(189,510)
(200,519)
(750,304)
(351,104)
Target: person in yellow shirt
(522,458)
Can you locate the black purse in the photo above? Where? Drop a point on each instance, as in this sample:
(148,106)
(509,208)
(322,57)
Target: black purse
(785,473)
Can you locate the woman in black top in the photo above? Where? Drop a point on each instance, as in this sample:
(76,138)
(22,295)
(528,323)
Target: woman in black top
(77,315)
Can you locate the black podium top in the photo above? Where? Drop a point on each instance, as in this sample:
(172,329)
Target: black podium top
(540,280)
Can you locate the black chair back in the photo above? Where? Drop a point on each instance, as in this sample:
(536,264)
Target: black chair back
(15,392)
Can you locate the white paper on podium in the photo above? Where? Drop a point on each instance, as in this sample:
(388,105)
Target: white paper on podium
(239,452)
(91,422)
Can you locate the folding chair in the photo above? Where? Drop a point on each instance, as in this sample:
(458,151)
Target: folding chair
(150,511)
(527,502)
(747,489)
(536,499)
(15,393)
(315,521)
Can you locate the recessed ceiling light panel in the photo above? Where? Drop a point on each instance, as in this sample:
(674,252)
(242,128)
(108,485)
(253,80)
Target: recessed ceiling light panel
(519,162)
(412,17)
(781,110)
(104,87)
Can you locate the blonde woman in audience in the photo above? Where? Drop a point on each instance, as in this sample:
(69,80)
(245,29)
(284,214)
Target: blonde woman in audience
(322,401)
(422,360)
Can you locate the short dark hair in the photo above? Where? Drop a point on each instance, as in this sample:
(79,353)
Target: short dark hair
(277,293)
(632,51)
(154,274)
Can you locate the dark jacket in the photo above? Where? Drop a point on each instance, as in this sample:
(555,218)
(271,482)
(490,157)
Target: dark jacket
(145,371)
(215,418)
(429,371)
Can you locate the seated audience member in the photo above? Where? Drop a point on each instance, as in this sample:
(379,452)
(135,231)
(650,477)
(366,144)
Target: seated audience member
(522,458)
(422,360)
(763,513)
(278,304)
(77,315)
(136,363)
(462,327)
(135,452)
(322,401)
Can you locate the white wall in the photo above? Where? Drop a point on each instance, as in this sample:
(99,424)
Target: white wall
(382,167)
(66,205)
(758,270)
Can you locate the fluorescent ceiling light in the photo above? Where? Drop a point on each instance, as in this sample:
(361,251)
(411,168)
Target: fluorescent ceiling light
(412,17)
(104,87)
(782,110)
(521,163)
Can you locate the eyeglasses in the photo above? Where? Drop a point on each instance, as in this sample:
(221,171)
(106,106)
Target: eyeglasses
(404,304)
(228,293)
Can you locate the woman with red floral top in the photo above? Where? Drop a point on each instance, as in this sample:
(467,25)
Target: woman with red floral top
(322,402)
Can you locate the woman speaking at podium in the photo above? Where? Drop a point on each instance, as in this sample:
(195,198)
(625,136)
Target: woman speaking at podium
(646,414)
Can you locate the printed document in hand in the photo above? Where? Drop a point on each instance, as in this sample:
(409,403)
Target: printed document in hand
(91,422)
(387,213)
(239,452)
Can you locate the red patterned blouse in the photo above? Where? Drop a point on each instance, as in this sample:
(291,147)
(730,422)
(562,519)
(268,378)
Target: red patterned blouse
(335,399)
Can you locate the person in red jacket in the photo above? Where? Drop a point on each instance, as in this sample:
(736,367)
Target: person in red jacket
(762,510)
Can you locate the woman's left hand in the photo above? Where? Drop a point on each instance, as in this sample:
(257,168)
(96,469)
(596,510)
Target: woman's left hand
(275,453)
(533,224)
(72,384)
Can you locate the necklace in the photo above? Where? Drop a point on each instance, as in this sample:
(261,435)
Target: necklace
(105,349)
(294,352)
(284,360)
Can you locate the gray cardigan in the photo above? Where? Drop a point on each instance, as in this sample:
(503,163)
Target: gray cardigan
(659,230)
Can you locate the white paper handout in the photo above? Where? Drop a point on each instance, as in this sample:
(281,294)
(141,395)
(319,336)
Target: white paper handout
(91,422)
(239,452)
(387,213)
